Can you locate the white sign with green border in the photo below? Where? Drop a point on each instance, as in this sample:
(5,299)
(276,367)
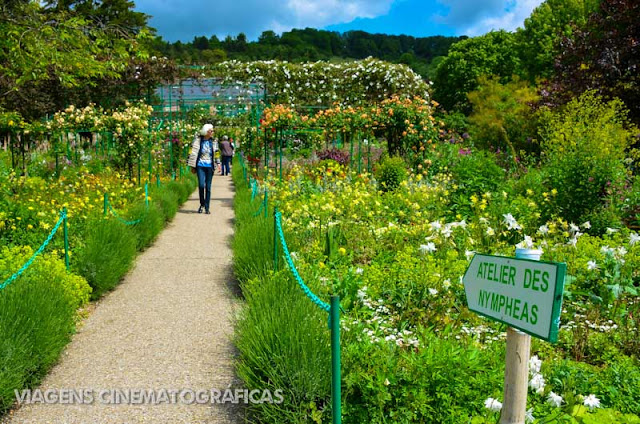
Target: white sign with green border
(522,293)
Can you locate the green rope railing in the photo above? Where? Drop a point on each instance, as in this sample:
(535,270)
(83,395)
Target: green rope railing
(109,207)
(312,296)
(63,216)
(119,218)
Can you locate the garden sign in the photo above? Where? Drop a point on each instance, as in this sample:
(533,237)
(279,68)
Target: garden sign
(522,293)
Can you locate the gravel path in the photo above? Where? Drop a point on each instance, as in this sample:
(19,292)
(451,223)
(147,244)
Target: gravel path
(167,327)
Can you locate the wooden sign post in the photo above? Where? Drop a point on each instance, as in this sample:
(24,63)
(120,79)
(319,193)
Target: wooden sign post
(525,294)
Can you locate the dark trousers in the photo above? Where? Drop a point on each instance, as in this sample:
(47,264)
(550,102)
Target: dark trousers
(226,161)
(204,185)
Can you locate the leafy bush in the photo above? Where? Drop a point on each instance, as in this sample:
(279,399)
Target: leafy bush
(37,314)
(390,173)
(474,173)
(441,382)
(502,118)
(107,255)
(585,147)
(338,155)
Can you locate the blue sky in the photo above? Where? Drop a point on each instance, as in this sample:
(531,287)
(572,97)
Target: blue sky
(184,19)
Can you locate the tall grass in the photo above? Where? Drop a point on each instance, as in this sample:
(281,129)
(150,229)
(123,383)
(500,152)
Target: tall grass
(253,237)
(37,314)
(283,340)
(38,310)
(106,256)
(282,336)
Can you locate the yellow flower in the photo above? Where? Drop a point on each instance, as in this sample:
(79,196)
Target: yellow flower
(342,251)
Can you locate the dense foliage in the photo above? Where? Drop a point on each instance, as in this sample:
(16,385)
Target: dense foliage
(301,45)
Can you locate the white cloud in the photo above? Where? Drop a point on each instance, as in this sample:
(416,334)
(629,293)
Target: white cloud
(325,12)
(180,20)
(473,17)
(509,20)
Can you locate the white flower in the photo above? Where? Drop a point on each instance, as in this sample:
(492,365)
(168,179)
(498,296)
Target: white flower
(554,399)
(294,255)
(433,292)
(511,222)
(493,404)
(574,228)
(527,243)
(633,238)
(359,270)
(490,231)
(446,283)
(435,225)
(611,230)
(529,418)
(586,225)
(591,265)
(534,365)
(543,229)
(537,383)
(427,248)
(469,254)
(591,402)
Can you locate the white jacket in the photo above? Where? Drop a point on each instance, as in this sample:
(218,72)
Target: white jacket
(194,155)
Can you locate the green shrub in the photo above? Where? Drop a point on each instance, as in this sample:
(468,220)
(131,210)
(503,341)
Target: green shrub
(502,118)
(474,173)
(107,255)
(167,201)
(152,222)
(37,314)
(441,382)
(181,189)
(585,146)
(253,237)
(284,344)
(617,384)
(390,173)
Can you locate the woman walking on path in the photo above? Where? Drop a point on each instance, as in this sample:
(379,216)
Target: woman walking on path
(226,151)
(201,162)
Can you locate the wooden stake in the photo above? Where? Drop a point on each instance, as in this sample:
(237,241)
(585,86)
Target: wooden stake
(516,376)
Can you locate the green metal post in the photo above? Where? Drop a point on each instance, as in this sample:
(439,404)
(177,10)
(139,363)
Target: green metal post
(351,154)
(334,323)
(369,156)
(106,202)
(146,194)
(66,238)
(266,203)
(158,180)
(139,170)
(266,154)
(359,154)
(280,142)
(275,239)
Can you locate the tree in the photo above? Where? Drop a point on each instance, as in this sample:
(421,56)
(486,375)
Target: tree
(201,43)
(50,57)
(539,40)
(458,73)
(502,118)
(604,56)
